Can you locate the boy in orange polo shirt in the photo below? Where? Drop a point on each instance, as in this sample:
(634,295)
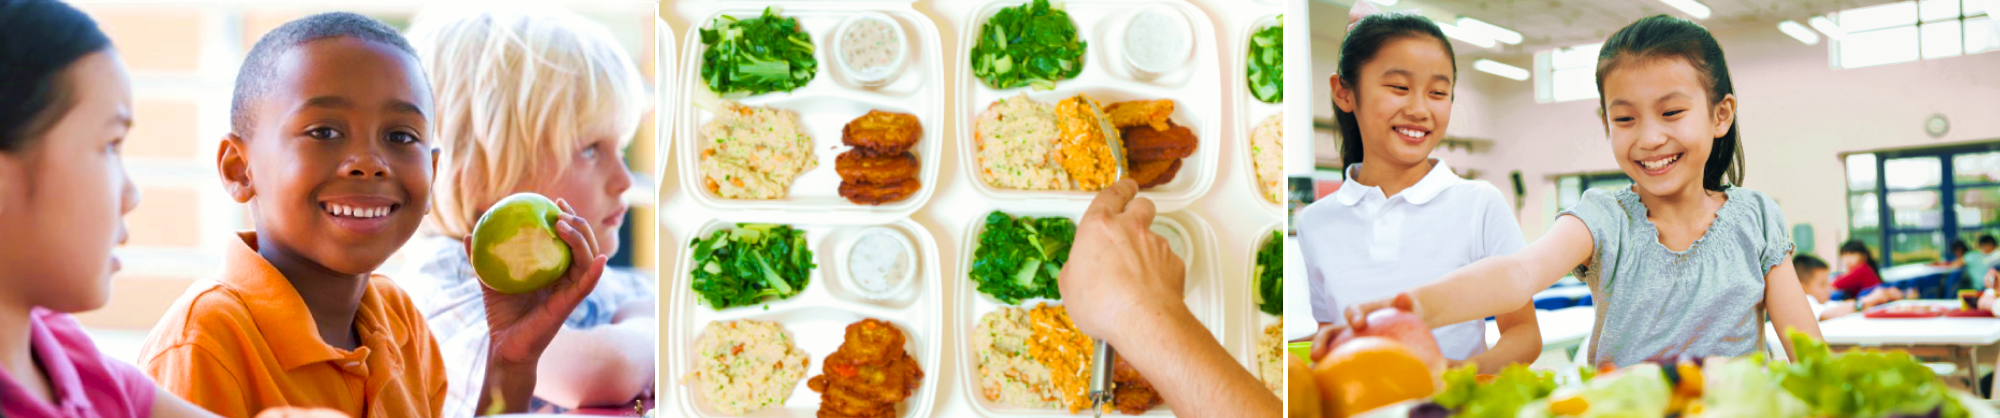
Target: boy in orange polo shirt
(329,148)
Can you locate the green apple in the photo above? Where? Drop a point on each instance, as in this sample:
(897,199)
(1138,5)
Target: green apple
(515,248)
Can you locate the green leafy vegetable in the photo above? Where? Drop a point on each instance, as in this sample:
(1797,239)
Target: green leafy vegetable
(1502,398)
(742,266)
(1864,384)
(1028,45)
(1019,258)
(756,55)
(1744,387)
(1270,275)
(1267,63)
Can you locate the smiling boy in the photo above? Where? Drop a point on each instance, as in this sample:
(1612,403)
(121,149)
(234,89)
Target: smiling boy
(328,146)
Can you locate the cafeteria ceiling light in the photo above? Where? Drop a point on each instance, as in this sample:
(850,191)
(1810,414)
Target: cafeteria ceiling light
(1503,70)
(1469,36)
(1799,31)
(1827,27)
(1490,30)
(1692,7)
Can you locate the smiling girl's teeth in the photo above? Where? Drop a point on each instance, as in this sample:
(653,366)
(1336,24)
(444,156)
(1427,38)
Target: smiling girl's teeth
(1657,164)
(1412,132)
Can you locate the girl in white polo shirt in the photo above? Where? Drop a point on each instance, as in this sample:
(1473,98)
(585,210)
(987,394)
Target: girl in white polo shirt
(1402,220)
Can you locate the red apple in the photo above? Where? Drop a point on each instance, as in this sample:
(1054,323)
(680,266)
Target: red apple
(1404,327)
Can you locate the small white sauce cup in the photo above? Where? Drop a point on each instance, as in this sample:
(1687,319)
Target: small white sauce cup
(902,283)
(1181,29)
(875,76)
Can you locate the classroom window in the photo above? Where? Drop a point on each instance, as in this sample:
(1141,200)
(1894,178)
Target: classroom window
(1910,205)
(1566,74)
(1912,30)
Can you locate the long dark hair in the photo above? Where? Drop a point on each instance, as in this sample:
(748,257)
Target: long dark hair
(1661,37)
(1857,247)
(41,39)
(1366,39)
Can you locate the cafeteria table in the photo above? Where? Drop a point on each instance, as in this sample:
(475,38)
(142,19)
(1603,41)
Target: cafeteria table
(1562,329)
(1958,338)
(1919,277)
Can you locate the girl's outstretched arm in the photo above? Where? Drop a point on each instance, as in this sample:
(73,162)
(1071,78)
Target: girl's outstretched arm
(1787,304)
(1520,342)
(1494,285)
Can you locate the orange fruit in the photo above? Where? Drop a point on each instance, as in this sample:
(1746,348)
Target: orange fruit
(1370,372)
(1301,395)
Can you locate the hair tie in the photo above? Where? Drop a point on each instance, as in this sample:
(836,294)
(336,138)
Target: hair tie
(1365,8)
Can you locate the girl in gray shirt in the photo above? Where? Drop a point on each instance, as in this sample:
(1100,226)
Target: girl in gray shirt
(1683,263)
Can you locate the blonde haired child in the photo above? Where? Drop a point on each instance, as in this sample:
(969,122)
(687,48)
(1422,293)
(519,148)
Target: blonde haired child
(532,100)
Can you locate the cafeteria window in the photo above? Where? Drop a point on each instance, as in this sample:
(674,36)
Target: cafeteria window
(1566,74)
(1912,30)
(1569,189)
(1909,205)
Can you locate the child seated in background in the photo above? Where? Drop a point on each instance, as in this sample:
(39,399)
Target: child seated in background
(1858,265)
(1972,266)
(1813,278)
(532,100)
(329,146)
(1989,251)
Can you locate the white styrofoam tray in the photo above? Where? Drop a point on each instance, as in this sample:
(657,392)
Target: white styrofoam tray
(823,106)
(663,103)
(1195,89)
(1250,112)
(817,319)
(1255,320)
(1203,300)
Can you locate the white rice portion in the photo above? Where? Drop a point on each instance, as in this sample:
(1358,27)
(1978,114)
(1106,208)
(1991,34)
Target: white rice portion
(746,366)
(1017,142)
(754,152)
(1267,153)
(1270,358)
(1006,373)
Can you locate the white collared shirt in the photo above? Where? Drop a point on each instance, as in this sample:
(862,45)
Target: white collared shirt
(1360,245)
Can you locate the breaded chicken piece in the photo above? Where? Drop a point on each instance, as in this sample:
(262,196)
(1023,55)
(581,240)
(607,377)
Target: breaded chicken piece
(868,375)
(1152,113)
(877,194)
(1142,144)
(1133,395)
(857,166)
(1151,174)
(882,133)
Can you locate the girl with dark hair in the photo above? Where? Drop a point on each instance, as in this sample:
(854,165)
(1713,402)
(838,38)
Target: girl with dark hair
(1859,263)
(1681,263)
(1403,219)
(65,107)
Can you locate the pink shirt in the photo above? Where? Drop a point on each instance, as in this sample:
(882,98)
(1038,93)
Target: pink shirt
(84,381)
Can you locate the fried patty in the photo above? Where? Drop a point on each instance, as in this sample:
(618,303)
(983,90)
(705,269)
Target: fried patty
(1151,174)
(857,166)
(882,133)
(1144,144)
(877,194)
(1151,113)
(868,375)
(1133,394)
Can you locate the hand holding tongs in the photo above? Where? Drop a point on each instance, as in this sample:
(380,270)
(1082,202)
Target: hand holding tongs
(1100,377)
